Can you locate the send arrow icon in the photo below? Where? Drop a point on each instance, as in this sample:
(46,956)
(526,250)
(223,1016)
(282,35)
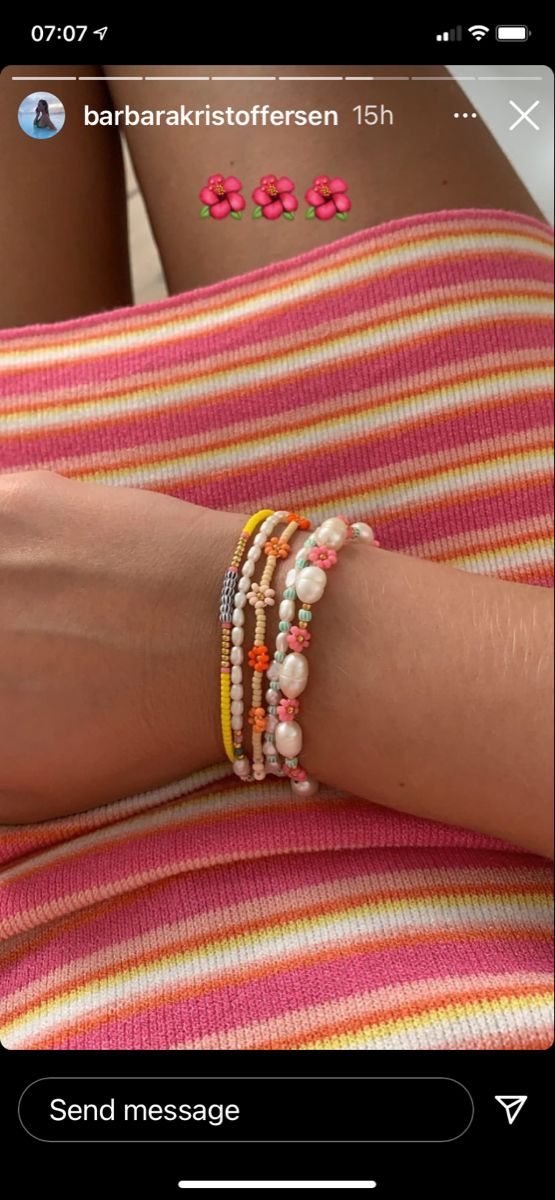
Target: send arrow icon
(512,1105)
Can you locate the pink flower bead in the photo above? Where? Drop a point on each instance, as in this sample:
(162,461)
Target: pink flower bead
(288,709)
(323,556)
(298,639)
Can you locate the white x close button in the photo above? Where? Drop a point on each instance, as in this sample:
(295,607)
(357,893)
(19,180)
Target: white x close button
(524,116)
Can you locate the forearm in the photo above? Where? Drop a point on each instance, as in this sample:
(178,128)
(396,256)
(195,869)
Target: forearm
(430,691)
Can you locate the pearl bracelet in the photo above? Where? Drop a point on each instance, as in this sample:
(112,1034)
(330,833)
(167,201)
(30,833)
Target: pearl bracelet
(288,673)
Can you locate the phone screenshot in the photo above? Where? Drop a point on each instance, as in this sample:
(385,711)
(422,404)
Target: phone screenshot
(276,605)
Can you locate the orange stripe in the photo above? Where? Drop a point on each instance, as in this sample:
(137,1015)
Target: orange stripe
(178,992)
(237,929)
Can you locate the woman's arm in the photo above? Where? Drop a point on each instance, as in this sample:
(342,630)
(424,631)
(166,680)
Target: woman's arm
(430,689)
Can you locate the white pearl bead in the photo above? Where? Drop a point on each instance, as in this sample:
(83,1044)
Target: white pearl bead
(254,553)
(236,692)
(290,578)
(236,675)
(248,570)
(238,616)
(332,532)
(237,707)
(241,766)
(272,697)
(236,655)
(281,515)
(267,526)
(260,539)
(245,584)
(287,610)
(304,787)
(271,724)
(237,636)
(273,671)
(281,643)
(259,771)
(268,748)
(365,532)
(273,769)
(236,721)
(293,675)
(240,599)
(311,582)
(289,738)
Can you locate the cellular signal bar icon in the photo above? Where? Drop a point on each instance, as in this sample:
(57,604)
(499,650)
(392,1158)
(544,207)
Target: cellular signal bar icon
(450,35)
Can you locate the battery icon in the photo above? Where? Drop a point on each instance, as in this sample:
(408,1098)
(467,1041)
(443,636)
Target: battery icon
(512,33)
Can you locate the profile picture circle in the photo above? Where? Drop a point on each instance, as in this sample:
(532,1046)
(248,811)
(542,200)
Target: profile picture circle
(41,115)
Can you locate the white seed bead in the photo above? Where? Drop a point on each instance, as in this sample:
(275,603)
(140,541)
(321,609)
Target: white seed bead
(240,599)
(236,675)
(245,584)
(237,636)
(241,766)
(293,675)
(289,738)
(236,721)
(236,692)
(237,707)
(273,671)
(290,578)
(248,570)
(332,532)
(365,532)
(272,697)
(254,553)
(281,643)
(238,616)
(287,610)
(236,655)
(304,787)
(311,582)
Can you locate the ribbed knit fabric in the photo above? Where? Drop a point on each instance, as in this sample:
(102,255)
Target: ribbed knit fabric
(403,375)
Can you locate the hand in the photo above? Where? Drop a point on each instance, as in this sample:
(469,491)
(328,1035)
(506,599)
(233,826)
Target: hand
(108,641)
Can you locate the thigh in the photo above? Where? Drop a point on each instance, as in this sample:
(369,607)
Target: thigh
(423,162)
(63,239)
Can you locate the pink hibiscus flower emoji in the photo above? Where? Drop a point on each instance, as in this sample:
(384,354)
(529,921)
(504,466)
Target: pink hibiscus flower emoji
(222,198)
(327,198)
(274,198)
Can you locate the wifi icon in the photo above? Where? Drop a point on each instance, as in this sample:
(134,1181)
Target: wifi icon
(478,32)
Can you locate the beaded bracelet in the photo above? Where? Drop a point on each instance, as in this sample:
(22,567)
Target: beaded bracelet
(227,605)
(261,596)
(288,673)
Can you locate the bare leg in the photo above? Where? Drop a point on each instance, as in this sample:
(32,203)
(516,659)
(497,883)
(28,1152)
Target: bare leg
(63,232)
(425,161)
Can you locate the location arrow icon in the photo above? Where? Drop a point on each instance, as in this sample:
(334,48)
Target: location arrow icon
(512,1105)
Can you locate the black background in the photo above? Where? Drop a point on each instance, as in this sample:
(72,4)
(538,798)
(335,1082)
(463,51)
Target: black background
(492,1157)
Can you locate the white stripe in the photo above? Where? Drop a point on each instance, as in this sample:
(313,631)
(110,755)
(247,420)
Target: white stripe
(245,952)
(180,323)
(523,1016)
(495,561)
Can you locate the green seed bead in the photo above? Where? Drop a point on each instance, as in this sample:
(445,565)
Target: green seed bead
(291,762)
(311,541)
(270,737)
(305,614)
(271,758)
(274,686)
(289,594)
(271,710)
(301,562)
(279,656)
(284,626)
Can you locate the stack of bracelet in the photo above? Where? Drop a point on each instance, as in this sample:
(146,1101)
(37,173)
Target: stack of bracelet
(288,674)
